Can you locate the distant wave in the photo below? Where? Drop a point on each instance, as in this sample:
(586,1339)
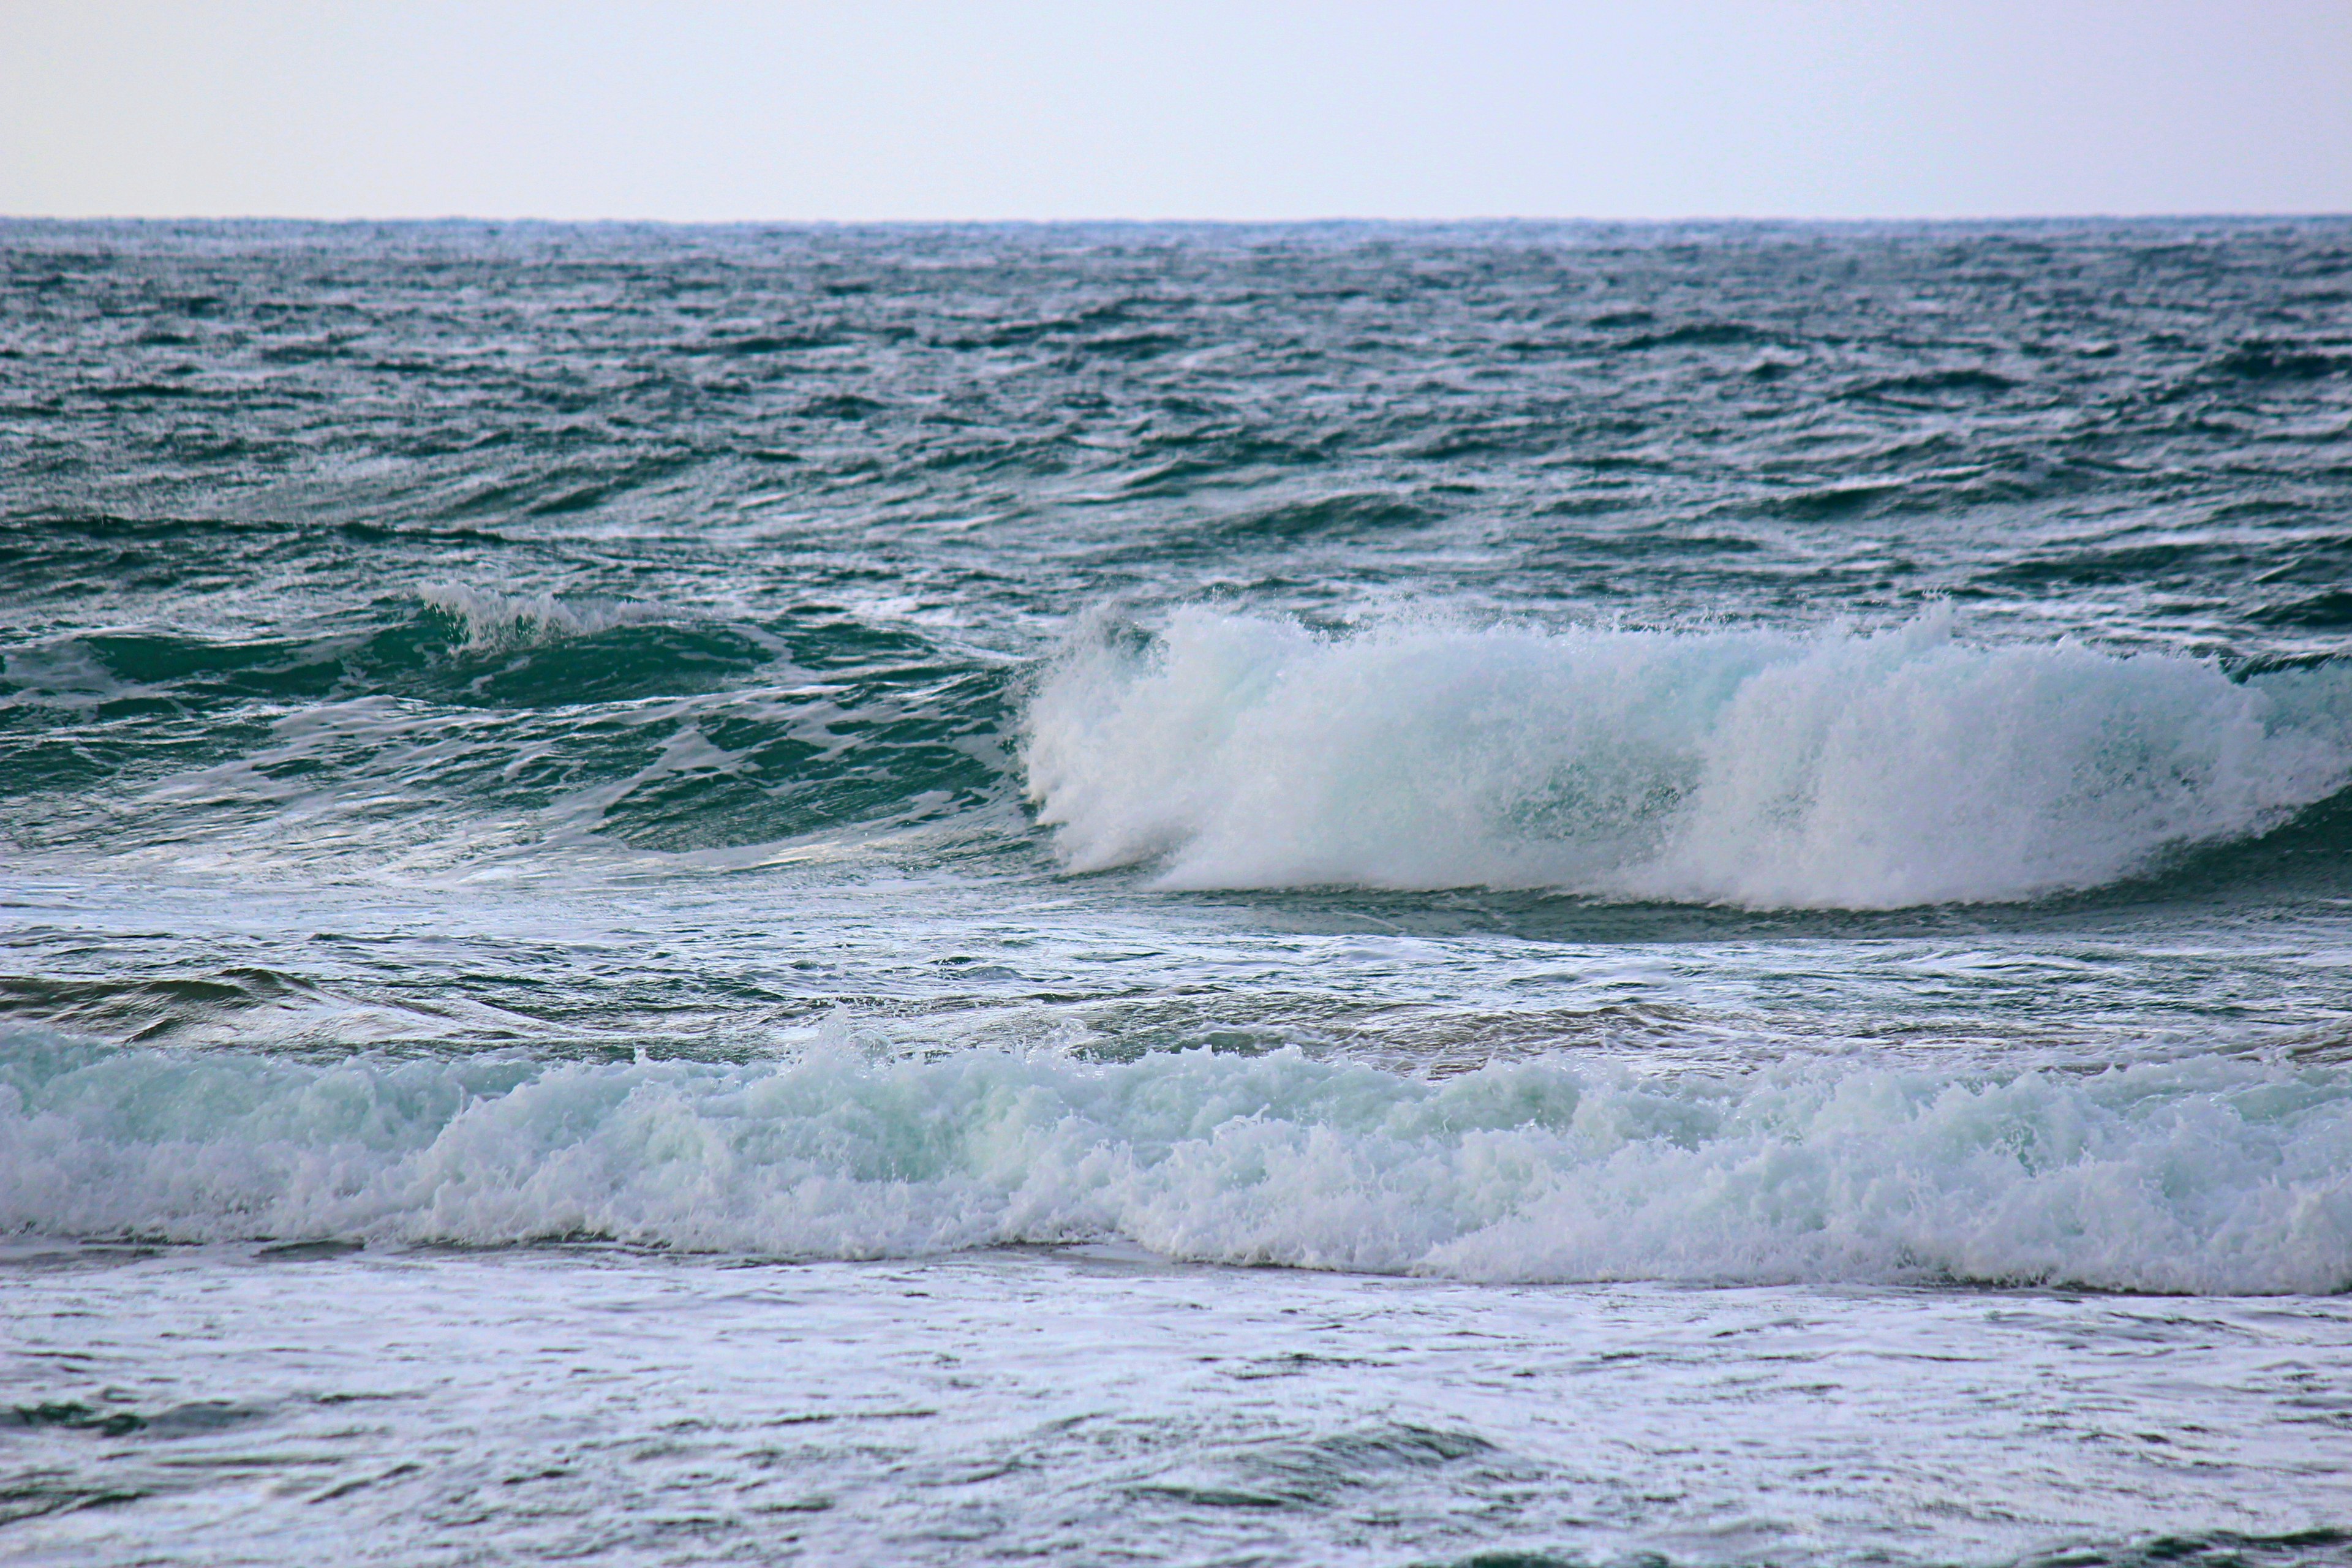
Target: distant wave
(2212,1176)
(1840,770)
(494,620)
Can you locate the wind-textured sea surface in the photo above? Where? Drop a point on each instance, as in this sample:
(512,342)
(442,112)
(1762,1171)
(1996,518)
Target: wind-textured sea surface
(1508,895)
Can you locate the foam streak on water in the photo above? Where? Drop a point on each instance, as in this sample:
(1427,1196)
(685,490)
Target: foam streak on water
(592,1401)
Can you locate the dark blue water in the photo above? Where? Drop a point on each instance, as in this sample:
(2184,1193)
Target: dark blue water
(1583,785)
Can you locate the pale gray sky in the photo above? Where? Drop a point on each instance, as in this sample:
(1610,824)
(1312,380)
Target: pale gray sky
(1013,109)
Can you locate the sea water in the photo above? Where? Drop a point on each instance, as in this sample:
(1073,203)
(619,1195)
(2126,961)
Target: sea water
(1485,894)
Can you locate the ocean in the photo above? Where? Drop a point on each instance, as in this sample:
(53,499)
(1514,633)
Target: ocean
(1476,895)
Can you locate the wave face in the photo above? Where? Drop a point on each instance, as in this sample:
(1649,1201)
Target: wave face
(459,718)
(1842,770)
(2215,1176)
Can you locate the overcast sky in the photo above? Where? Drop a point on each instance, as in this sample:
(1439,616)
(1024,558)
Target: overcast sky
(685,110)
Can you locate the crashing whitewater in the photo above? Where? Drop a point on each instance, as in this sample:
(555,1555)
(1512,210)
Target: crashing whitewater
(2218,1176)
(1840,770)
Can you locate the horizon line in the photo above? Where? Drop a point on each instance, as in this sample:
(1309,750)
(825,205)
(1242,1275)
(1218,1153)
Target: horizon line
(1329,220)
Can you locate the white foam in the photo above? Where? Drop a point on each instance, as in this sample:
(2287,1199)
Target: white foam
(495,621)
(2214,1177)
(1837,770)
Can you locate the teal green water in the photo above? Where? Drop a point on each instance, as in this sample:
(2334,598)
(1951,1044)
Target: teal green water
(1604,774)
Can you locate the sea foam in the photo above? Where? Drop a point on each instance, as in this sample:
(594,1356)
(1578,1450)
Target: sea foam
(2212,1176)
(1843,769)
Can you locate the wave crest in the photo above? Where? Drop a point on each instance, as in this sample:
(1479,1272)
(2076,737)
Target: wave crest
(1845,770)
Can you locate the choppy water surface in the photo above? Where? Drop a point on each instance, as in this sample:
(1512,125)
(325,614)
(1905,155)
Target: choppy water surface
(800,835)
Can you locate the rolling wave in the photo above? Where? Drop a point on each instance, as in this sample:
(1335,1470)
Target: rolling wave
(1842,770)
(550,715)
(1760,770)
(2221,1177)
(447,644)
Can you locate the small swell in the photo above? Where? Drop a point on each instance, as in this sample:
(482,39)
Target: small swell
(495,621)
(2213,1177)
(1842,770)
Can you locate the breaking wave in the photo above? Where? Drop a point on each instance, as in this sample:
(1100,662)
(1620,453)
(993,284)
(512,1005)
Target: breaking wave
(2212,1176)
(1840,770)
